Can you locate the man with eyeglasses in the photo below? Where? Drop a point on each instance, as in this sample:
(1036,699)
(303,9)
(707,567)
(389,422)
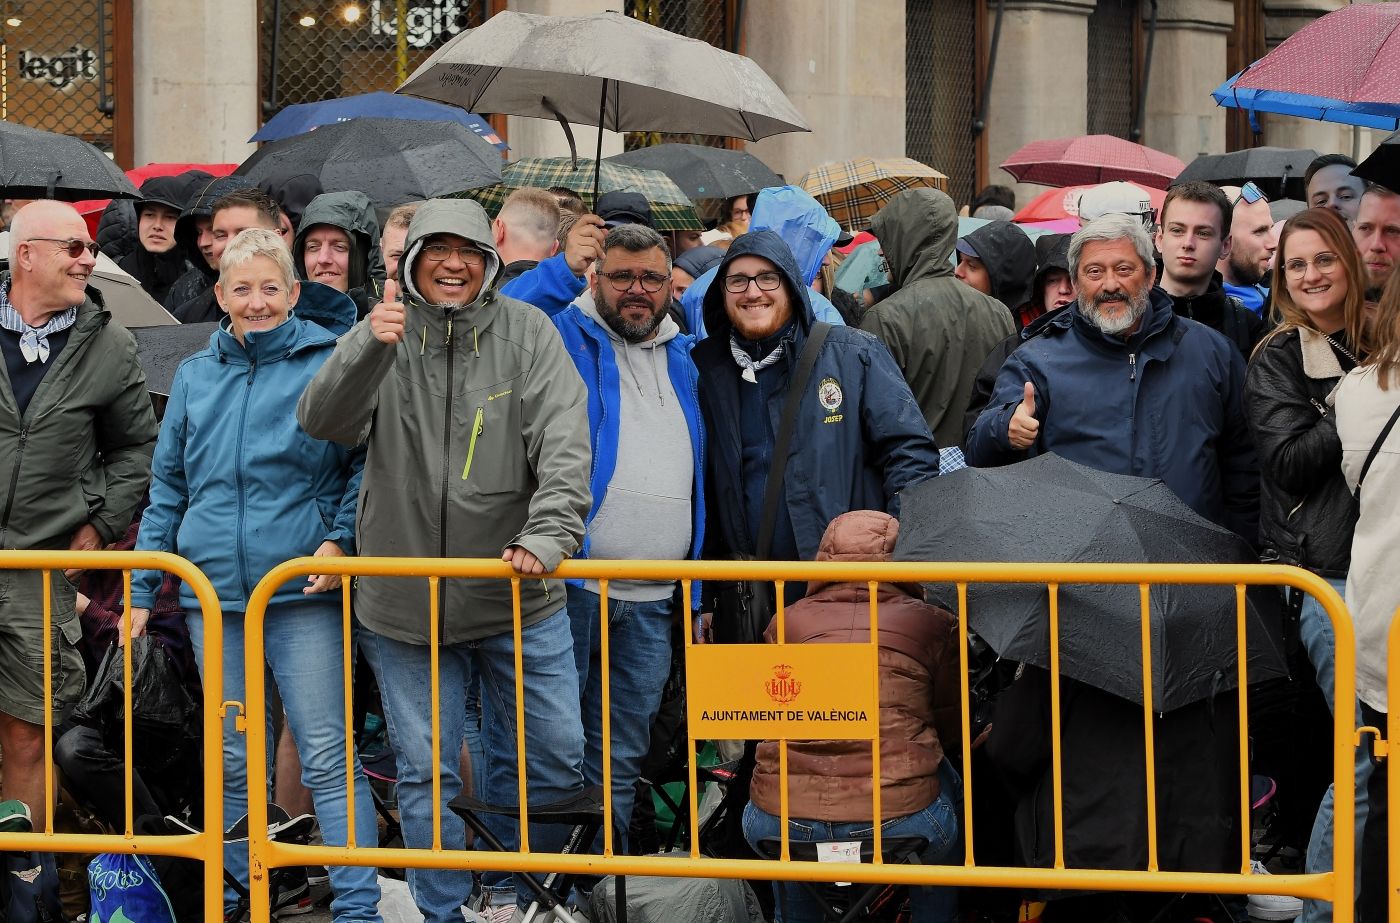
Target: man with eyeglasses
(1252,244)
(476,423)
(647,486)
(76,436)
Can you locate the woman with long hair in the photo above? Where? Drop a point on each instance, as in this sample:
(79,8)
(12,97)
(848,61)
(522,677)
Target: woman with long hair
(1367,406)
(1307,514)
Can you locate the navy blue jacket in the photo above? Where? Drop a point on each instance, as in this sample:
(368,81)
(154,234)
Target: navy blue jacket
(593,355)
(859,439)
(1166,403)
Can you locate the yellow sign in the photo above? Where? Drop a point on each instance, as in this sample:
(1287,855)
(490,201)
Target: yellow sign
(783,691)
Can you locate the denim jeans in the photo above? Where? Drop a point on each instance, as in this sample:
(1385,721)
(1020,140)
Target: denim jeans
(938,823)
(303,647)
(639,639)
(553,745)
(1315,630)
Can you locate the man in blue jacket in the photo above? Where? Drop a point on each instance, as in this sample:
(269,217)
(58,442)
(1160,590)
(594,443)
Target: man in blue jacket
(1120,382)
(647,486)
(859,438)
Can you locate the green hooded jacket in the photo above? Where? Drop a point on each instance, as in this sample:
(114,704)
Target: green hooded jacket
(82,450)
(938,329)
(477,428)
(353,213)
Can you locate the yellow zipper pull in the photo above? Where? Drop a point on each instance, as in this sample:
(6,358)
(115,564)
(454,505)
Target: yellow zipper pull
(448,341)
(477,428)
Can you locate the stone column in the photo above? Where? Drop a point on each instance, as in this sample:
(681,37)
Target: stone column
(1188,62)
(1281,19)
(1040,84)
(195,94)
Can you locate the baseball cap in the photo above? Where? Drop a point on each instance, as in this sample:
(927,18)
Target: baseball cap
(623,208)
(1116,198)
(965,247)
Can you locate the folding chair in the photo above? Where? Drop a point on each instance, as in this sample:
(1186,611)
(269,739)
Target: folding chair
(843,902)
(281,828)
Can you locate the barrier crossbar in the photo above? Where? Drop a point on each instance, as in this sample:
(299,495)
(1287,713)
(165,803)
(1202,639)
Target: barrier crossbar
(1335,886)
(205,847)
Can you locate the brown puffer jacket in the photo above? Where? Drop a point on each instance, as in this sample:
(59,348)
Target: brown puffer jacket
(830,780)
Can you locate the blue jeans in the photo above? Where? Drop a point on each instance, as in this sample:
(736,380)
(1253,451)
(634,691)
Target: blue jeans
(639,638)
(937,823)
(553,745)
(1315,630)
(303,647)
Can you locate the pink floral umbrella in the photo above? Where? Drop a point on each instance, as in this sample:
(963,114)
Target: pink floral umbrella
(1089,160)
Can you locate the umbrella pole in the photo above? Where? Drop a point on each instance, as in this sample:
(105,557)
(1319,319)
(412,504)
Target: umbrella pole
(598,155)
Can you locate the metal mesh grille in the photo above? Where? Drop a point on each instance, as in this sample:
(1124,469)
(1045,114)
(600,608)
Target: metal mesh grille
(323,49)
(940,61)
(1112,59)
(707,20)
(57,66)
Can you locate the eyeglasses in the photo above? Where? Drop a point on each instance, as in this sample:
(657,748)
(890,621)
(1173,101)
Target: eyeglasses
(623,279)
(469,254)
(72,245)
(1323,263)
(1249,194)
(738,284)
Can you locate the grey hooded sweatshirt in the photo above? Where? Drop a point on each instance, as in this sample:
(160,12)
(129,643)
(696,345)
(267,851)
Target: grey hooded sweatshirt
(938,329)
(477,427)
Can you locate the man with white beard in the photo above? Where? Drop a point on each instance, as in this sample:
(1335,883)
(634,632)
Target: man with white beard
(1121,383)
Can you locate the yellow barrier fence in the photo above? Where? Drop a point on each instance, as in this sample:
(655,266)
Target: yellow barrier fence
(205,847)
(1335,886)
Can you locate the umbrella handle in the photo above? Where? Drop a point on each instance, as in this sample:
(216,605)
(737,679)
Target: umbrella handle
(598,157)
(568,132)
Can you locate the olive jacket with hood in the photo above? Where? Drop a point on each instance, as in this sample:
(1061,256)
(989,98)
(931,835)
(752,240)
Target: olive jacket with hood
(859,438)
(938,329)
(477,432)
(353,213)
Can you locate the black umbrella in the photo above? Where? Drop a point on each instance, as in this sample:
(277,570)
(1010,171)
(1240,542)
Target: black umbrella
(703,172)
(1052,510)
(37,164)
(389,160)
(1278,171)
(162,349)
(1383,166)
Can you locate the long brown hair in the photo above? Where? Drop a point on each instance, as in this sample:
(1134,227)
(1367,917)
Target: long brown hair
(1384,328)
(1334,232)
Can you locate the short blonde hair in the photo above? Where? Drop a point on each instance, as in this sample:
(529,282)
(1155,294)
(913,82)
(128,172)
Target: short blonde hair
(255,242)
(401,216)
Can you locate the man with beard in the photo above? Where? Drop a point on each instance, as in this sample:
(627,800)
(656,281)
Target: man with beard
(647,486)
(1252,244)
(1120,382)
(1377,236)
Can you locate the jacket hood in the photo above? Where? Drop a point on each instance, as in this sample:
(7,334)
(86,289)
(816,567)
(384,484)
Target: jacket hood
(324,306)
(861,535)
(353,213)
(201,205)
(1051,252)
(771,247)
(1009,256)
(462,217)
(801,222)
(917,230)
(169,191)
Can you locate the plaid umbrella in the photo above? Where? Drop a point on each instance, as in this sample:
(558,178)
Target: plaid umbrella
(1090,160)
(854,190)
(670,209)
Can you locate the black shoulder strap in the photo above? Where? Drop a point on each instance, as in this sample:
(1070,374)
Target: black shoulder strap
(1375,449)
(773,490)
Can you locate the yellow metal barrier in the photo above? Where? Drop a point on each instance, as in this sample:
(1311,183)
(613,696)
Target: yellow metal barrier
(1335,886)
(206,847)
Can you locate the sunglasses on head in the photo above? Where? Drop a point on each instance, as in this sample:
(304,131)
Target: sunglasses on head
(1249,194)
(73,245)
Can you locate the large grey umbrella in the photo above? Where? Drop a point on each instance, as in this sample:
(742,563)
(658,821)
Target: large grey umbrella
(162,349)
(607,70)
(1278,171)
(1049,509)
(390,160)
(703,172)
(36,164)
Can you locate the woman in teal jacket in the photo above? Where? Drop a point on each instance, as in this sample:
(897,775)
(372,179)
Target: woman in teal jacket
(238,487)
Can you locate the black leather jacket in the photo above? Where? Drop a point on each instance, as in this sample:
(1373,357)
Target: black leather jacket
(1307,514)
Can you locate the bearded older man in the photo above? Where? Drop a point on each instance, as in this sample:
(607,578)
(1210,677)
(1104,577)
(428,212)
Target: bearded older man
(1120,382)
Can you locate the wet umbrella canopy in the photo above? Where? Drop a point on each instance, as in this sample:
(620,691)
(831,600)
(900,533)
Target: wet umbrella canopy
(1277,171)
(390,160)
(1049,509)
(703,172)
(38,164)
(162,349)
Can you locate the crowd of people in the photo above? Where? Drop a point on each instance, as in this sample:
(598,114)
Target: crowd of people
(555,383)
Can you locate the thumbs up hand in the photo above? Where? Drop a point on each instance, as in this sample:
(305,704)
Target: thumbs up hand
(386,320)
(1024,428)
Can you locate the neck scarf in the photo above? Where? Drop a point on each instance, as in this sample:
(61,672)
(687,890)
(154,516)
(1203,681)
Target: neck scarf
(750,368)
(33,341)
